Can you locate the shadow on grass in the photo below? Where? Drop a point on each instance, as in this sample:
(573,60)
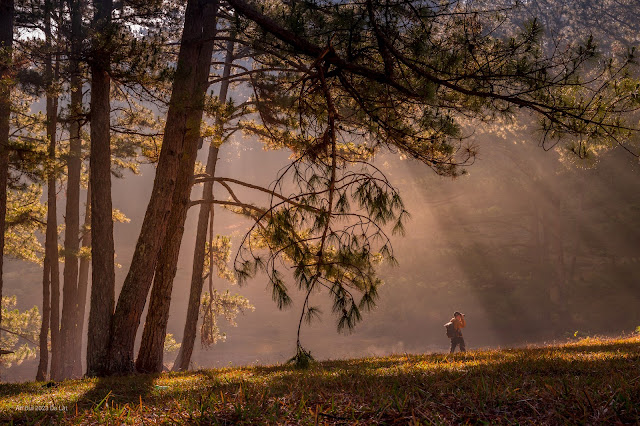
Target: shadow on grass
(539,385)
(542,390)
(58,402)
(117,391)
(13,389)
(585,382)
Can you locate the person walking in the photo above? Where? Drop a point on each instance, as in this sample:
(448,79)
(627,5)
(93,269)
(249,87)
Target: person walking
(454,331)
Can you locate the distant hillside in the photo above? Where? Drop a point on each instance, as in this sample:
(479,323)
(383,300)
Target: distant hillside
(592,381)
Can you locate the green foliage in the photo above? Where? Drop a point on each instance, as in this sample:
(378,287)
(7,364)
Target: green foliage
(331,236)
(119,217)
(27,143)
(216,305)
(25,218)
(137,134)
(225,114)
(170,344)
(405,77)
(220,252)
(20,331)
(302,359)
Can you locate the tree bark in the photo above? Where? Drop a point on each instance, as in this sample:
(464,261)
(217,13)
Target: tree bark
(6,46)
(155,328)
(83,281)
(51,237)
(72,210)
(151,349)
(56,353)
(197,271)
(102,254)
(179,147)
(197,281)
(43,363)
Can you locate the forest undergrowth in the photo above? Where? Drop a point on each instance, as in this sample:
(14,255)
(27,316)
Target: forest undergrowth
(590,381)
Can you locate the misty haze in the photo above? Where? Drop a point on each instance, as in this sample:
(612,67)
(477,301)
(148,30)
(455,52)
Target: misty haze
(471,245)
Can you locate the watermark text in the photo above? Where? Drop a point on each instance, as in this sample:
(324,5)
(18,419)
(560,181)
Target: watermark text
(45,407)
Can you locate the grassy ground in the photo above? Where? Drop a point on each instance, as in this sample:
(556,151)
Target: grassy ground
(590,381)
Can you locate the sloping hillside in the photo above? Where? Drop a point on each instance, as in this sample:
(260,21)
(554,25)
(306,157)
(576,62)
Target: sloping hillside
(590,381)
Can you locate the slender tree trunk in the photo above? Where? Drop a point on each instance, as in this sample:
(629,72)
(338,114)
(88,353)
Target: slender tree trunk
(189,335)
(51,237)
(197,271)
(179,147)
(102,253)
(43,363)
(6,45)
(56,353)
(55,369)
(72,212)
(155,329)
(83,281)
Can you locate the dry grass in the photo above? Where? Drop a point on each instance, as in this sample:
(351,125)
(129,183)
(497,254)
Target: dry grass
(593,381)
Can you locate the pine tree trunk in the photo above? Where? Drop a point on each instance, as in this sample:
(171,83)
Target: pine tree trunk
(51,237)
(6,45)
(83,281)
(151,349)
(55,369)
(102,252)
(155,328)
(190,327)
(43,363)
(179,147)
(197,272)
(56,352)
(72,210)
(52,276)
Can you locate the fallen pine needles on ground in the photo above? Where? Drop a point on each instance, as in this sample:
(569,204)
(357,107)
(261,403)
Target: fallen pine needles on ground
(590,381)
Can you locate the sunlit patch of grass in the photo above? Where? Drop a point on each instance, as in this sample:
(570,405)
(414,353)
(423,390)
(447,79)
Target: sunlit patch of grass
(589,381)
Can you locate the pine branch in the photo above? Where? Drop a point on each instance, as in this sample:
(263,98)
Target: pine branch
(22,336)
(290,200)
